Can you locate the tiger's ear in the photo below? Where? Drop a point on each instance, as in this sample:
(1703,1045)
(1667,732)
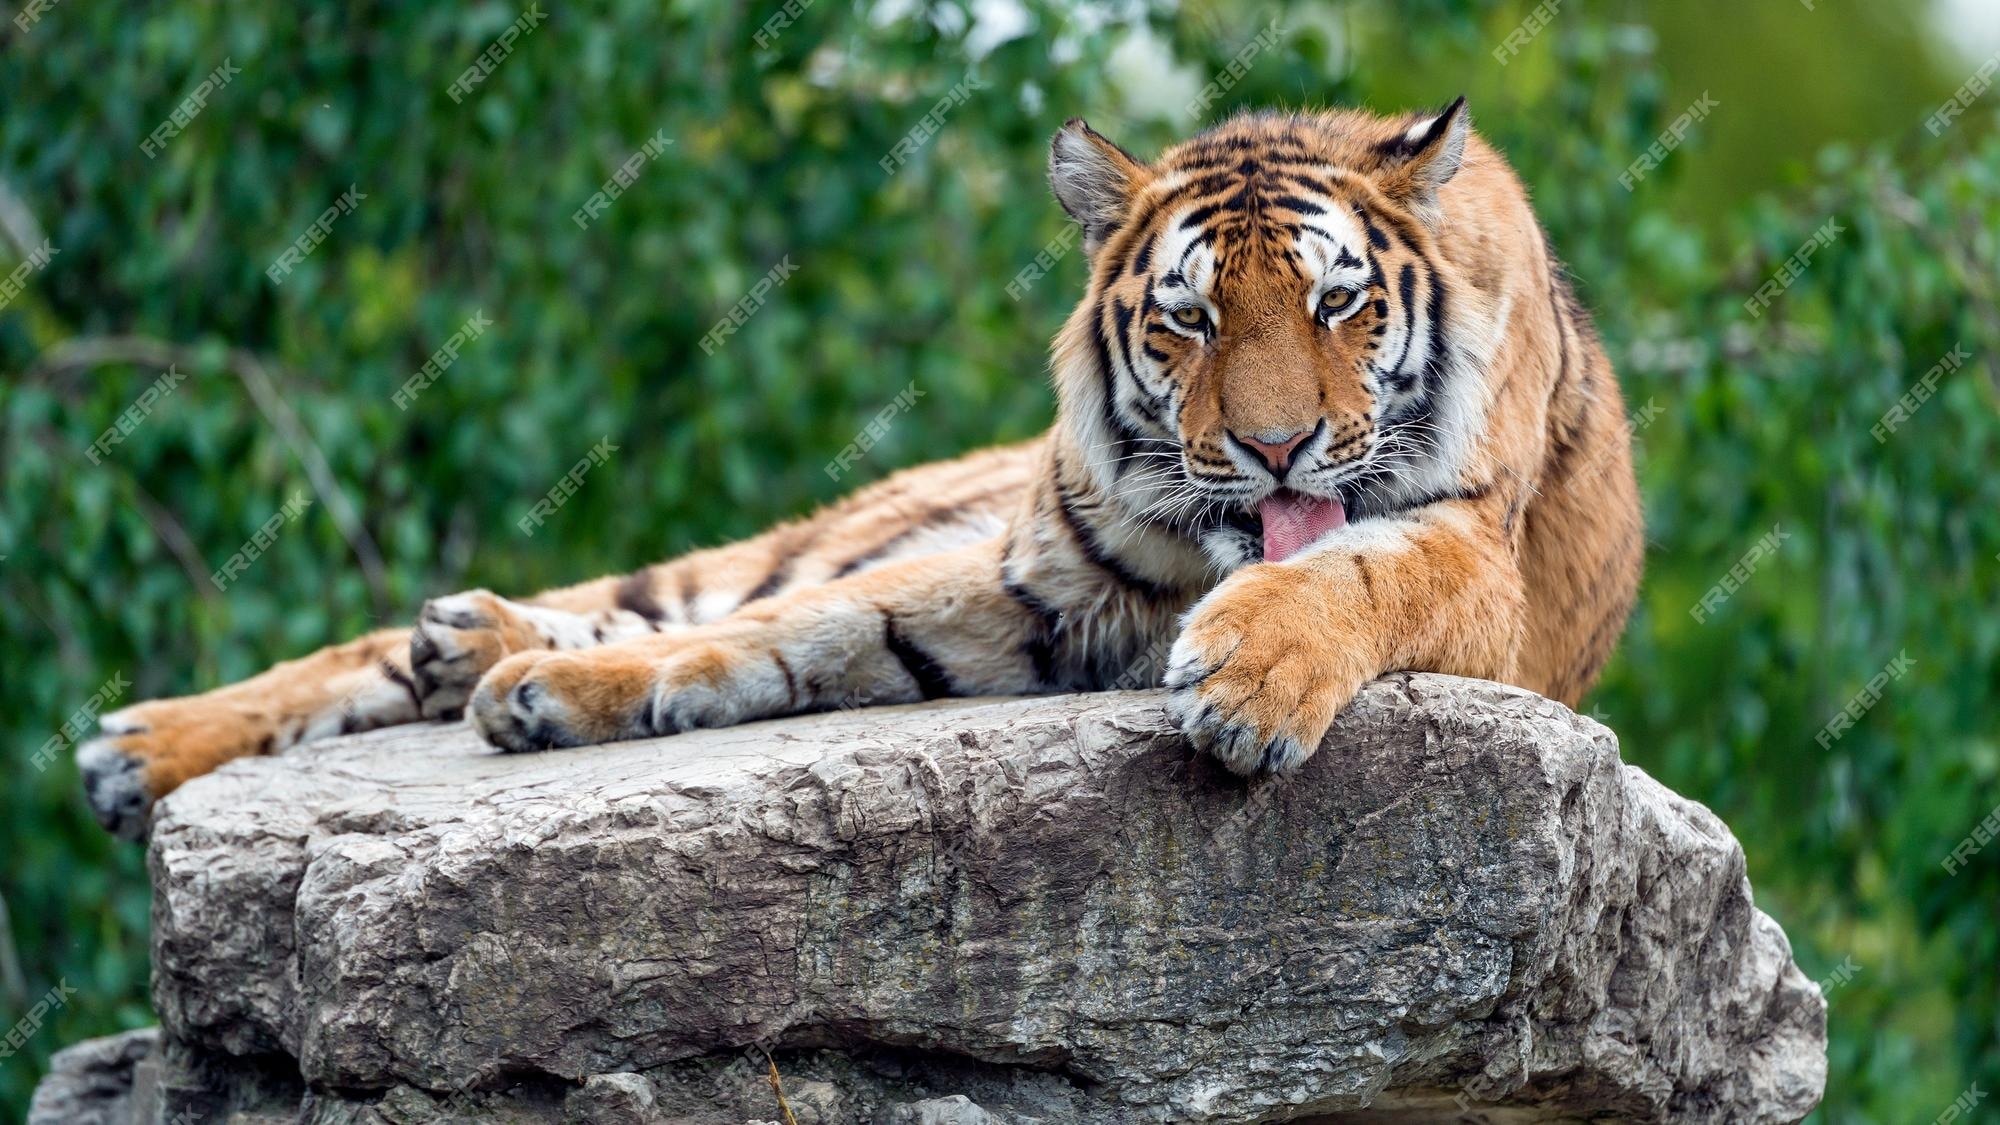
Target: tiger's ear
(1094,179)
(1426,156)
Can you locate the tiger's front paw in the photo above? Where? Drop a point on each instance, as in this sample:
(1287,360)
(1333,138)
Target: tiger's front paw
(1260,670)
(549,700)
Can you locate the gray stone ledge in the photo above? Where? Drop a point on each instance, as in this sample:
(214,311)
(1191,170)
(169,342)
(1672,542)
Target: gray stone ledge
(1465,907)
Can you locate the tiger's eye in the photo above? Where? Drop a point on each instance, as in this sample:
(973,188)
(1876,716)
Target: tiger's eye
(1190,317)
(1336,301)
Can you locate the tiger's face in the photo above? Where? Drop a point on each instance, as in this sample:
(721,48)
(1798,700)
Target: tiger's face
(1268,321)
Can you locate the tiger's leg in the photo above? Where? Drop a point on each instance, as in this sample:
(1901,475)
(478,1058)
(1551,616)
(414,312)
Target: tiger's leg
(1434,590)
(147,750)
(1064,600)
(937,626)
(912,513)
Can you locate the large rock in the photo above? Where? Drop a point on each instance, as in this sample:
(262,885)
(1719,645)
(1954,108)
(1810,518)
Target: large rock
(1026,910)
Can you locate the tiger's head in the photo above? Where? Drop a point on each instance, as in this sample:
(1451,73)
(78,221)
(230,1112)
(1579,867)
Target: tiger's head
(1272,343)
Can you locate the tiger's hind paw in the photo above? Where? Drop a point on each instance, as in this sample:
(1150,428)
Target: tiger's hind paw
(456,639)
(145,751)
(115,786)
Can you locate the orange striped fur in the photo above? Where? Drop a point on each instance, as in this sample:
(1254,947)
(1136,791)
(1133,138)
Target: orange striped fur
(1337,337)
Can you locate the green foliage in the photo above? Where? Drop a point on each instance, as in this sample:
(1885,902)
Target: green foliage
(1892,546)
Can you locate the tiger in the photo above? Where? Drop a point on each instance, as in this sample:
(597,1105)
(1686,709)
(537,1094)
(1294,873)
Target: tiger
(1330,408)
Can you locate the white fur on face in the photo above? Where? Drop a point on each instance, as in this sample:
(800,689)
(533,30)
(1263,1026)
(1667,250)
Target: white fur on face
(1184,272)
(1469,338)
(1332,250)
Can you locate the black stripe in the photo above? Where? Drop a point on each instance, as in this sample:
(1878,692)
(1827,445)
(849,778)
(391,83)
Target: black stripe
(791,682)
(689,592)
(1047,623)
(1436,343)
(396,676)
(796,542)
(1306,182)
(1376,238)
(1406,284)
(947,513)
(1122,433)
(1121,316)
(1435,308)
(1295,203)
(1144,260)
(931,678)
(1400,224)
(772,583)
(1139,224)
(1041,636)
(1155,405)
(635,595)
(1087,542)
(1201,215)
(1468,494)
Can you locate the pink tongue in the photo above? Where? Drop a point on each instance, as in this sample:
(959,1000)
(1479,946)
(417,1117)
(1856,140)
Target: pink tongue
(1293,522)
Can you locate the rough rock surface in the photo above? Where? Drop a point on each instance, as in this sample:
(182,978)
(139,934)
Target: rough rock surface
(1039,910)
(97,1082)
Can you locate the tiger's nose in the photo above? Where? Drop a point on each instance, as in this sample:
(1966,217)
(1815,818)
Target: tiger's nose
(1278,454)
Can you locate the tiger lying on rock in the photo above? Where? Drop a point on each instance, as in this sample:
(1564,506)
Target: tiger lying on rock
(1328,409)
